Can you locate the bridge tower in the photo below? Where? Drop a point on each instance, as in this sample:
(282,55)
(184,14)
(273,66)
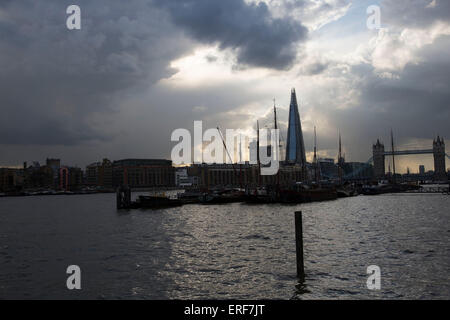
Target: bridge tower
(439,159)
(379,160)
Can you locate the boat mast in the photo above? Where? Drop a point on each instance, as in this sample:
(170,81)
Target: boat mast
(277,150)
(257,155)
(240,160)
(226,149)
(275,114)
(340,159)
(315,160)
(393,154)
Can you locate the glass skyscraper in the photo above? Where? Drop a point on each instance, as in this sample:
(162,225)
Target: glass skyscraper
(295,150)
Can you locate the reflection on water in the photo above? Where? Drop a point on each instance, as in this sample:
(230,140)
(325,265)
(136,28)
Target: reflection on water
(225,251)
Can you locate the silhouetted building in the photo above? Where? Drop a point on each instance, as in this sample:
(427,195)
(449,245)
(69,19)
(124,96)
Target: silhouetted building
(328,169)
(214,175)
(422,170)
(379,166)
(227,175)
(75,178)
(358,171)
(100,174)
(439,159)
(70,178)
(54,165)
(11,179)
(141,173)
(40,177)
(295,150)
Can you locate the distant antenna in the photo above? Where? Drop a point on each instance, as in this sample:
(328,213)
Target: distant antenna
(340,158)
(315,160)
(315,146)
(257,156)
(276,127)
(240,148)
(257,140)
(275,113)
(393,154)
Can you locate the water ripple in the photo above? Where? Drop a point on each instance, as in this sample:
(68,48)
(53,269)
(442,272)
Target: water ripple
(232,251)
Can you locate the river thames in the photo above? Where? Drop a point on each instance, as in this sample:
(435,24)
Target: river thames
(233,251)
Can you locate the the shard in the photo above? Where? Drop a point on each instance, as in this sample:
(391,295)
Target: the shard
(295,150)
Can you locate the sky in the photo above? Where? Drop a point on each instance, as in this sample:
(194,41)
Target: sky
(139,69)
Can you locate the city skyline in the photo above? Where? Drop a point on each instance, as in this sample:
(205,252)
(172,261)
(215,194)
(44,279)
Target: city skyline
(107,91)
(388,160)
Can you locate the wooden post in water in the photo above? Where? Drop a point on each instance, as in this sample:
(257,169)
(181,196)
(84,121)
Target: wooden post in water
(127,197)
(123,197)
(119,198)
(299,245)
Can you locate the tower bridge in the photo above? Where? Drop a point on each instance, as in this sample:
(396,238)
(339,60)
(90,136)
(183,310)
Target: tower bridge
(408,152)
(438,152)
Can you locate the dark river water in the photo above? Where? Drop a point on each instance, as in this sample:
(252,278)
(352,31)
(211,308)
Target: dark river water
(232,251)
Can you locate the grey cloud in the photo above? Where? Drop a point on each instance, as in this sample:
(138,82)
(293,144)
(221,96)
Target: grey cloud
(315,68)
(258,38)
(56,85)
(416,105)
(211,58)
(414,13)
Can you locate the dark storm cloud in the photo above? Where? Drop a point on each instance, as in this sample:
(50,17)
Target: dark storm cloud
(59,86)
(258,38)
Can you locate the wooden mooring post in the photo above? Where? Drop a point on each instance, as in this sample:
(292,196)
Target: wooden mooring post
(123,197)
(299,245)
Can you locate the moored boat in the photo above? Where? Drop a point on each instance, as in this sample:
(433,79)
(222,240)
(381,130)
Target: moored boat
(346,191)
(261,195)
(189,197)
(301,193)
(155,202)
(222,196)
